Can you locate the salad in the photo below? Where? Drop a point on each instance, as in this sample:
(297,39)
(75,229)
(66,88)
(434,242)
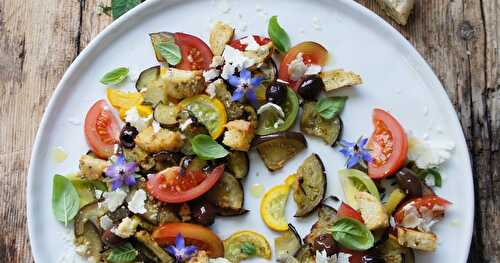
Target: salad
(167,160)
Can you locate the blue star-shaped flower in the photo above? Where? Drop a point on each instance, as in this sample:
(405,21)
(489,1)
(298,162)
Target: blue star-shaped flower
(180,251)
(245,86)
(355,152)
(121,172)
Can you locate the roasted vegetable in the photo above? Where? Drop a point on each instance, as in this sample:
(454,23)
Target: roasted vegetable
(166,159)
(90,242)
(313,124)
(151,86)
(166,114)
(269,121)
(238,164)
(160,38)
(310,187)
(305,255)
(88,213)
(227,194)
(354,181)
(392,252)
(246,244)
(272,207)
(287,245)
(276,149)
(138,155)
(326,217)
(150,245)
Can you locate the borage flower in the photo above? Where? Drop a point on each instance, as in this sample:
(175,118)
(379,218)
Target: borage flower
(355,152)
(180,251)
(245,86)
(121,172)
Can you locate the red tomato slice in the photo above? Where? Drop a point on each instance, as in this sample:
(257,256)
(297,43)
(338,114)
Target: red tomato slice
(312,53)
(197,235)
(388,144)
(241,47)
(196,55)
(425,201)
(346,210)
(102,129)
(171,187)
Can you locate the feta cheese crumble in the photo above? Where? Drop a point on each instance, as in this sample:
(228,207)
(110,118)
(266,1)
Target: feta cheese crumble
(136,204)
(218,260)
(185,124)
(340,257)
(252,45)
(126,228)
(217,61)
(112,200)
(429,154)
(235,59)
(297,68)
(211,74)
(156,127)
(422,219)
(105,222)
(136,120)
(210,90)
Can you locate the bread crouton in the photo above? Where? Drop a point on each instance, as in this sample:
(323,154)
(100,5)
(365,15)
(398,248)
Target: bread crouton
(239,135)
(338,78)
(92,167)
(201,256)
(163,140)
(220,35)
(180,84)
(260,55)
(372,211)
(417,240)
(398,10)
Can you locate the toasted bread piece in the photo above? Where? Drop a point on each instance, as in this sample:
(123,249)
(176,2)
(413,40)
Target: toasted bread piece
(221,35)
(239,135)
(180,84)
(372,211)
(338,78)
(163,140)
(92,167)
(399,10)
(424,241)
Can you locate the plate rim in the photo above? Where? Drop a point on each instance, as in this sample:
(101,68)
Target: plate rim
(424,70)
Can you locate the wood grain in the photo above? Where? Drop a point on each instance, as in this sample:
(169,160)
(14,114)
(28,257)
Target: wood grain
(39,39)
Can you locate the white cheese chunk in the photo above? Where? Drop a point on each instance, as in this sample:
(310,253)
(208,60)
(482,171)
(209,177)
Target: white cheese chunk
(236,59)
(105,222)
(217,61)
(297,68)
(252,45)
(211,74)
(126,228)
(313,69)
(112,200)
(136,204)
(156,126)
(211,90)
(132,116)
(429,154)
(218,260)
(185,124)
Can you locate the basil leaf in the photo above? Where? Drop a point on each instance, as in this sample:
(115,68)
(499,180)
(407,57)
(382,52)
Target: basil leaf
(352,234)
(170,52)
(115,76)
(278,35)
(206,148)
(432,172)
(248,248)
(65,199)
(122,254)
(120,7)
(329,107)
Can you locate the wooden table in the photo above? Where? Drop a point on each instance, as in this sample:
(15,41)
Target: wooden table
(39,40)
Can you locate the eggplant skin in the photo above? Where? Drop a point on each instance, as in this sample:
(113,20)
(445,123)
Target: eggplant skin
(311,169)
(278,148)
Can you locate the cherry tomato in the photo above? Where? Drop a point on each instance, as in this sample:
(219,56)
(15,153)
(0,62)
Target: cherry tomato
(196,55)
(241,47)
(171,187)
(388,145)
(197,235)
(312,53)
(102,129)
(426,201)
(346,210)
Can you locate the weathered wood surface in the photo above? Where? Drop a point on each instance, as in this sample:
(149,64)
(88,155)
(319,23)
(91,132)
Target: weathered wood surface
(39,39)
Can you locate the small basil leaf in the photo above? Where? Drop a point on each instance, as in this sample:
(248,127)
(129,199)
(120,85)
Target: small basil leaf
(431,172)
(170,52)
(248,248)
(278,35)
(352,234)
(329,107)
(206,148)
(65,199)
(120,7)
(115,76)
(122,254)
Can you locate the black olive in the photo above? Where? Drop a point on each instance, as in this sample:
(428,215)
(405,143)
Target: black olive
(110,239)
(276,93)
(325,242)
(203,213)
(311,87)
(372,259)
(409,182)
(127,136)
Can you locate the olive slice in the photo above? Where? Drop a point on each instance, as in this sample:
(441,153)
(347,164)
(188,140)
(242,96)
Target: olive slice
(313,124)
(158,38)
(288,244)
(227,193)
(277,148)
(409,182)
(310,186)
(238,164)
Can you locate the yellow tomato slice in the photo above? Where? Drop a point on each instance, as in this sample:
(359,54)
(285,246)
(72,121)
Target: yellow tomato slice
(144,111)
(123,99)
(209,111)
(290,180)
(236,245)
(272,207)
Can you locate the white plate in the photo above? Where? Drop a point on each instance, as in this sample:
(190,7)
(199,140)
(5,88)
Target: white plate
(395,75)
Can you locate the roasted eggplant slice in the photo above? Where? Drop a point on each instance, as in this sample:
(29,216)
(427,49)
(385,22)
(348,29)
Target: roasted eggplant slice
(276,149)
(159,38)
(89,213)
(165,159)
(166,114)
(151,86)
(288,244)
(305,255)
(310,186)
(392,252)
(227,193)
(139,156)
(149,246)
(326,217)
(91,240)
(313,124)
(238,164)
